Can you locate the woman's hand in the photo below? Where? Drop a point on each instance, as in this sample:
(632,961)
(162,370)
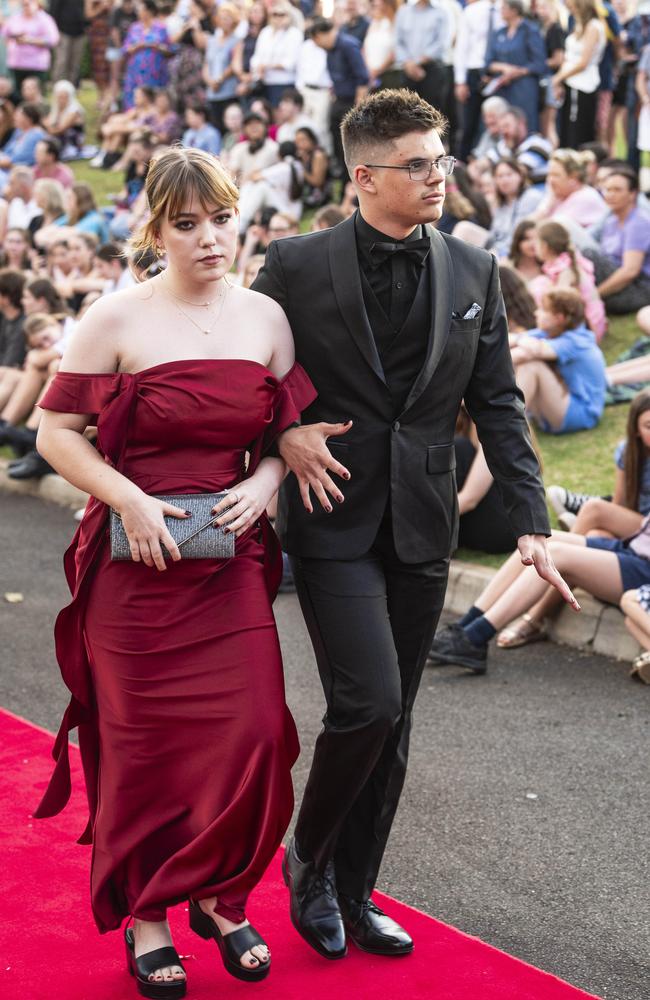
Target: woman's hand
(244,504)
(146,529)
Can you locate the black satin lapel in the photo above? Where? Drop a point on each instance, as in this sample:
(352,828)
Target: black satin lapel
(441,278)
(347,289)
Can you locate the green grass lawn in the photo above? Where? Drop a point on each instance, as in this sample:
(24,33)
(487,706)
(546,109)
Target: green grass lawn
(582,461)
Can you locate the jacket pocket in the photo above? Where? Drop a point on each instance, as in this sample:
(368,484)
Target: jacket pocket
(466,325)
(441,458)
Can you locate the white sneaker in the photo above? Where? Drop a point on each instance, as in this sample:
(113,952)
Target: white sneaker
(567,520)
(97,161)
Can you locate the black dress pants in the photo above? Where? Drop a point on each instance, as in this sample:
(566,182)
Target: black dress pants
(371,621)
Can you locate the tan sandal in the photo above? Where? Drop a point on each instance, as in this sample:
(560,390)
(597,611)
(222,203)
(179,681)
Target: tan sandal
(524,631)
(641,668)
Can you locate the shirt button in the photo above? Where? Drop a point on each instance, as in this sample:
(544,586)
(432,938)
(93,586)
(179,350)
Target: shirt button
(398,284)
(396,425)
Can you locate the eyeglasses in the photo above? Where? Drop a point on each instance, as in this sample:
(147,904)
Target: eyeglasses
(420,170)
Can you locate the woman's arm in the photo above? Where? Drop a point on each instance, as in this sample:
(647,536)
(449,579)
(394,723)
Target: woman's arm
(477,483)
(641,86)
(623,275)
(619,488)
(318,173)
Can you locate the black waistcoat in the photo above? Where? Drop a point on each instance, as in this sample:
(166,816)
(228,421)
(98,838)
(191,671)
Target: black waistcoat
(402,353)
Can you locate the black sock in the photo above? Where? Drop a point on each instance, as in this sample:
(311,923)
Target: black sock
(480,631)
(469,616)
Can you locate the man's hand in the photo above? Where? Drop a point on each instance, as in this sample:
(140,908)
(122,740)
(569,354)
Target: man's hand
(534,552)
(308,457)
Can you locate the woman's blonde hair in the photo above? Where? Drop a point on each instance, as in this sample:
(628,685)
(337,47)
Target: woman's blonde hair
(176,174)
(52,192)
(584,11)
(573,162)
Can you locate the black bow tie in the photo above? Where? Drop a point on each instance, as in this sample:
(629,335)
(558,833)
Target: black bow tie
(380,252)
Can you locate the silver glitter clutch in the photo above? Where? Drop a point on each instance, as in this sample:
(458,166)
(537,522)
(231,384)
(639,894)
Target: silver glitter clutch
(196,536)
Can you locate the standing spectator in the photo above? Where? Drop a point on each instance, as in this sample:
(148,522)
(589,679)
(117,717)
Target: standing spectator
(123,15)
(355,23)
(146,49)
(199,133)
(516,61)
(31,35)
(349,79)
(276,52)
(577,81)
(423,34)
(98,15)
(256,20)
(66,119)
(638,36)
(549,14)
(70,19)
(186,85)
(315,84)
(623,262)
(642,84)
(478,19)
(219,72)
(612,25)
(379,45)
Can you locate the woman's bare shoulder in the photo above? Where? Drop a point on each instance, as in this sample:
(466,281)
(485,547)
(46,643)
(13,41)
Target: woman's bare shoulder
(257,302)
(96,344)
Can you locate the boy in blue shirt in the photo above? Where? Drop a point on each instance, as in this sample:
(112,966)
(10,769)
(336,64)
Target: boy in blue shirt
(200,134)
(559,367)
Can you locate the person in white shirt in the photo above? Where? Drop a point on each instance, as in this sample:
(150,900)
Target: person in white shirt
(19,194)
(278,186)
(477,19)
(290,116)
(247,158)
(379,45)
(314,83)
(276,52)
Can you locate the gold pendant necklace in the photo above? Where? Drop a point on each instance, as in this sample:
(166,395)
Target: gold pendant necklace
(222,299)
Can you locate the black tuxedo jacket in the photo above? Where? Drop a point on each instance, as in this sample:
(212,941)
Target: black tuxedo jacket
(405,459)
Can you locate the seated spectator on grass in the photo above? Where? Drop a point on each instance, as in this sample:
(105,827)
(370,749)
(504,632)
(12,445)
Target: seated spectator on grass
(200,134)
(82,213)
(47,156)
(83,277)
(530,149)
(484,524)
(257,152)
(466,186)
(282,225)
(7,127)
(457,208)
(279,186)
(492,111)
(635,605)
(117,129)
(252,269)
(58,261)
(559,367)
(31,35)
(565,267)
(568,195)
(43,334)
(12,341)
(31,92)
(111,264)
(262,106)
(519,303)
(17,250)
(327,217)
(167,126)
(516,200)
(66,120)
(20,150)
(256,239)
(523,251)
(19,194)
(315,162)
(233,123)
(622,263)
(49,197)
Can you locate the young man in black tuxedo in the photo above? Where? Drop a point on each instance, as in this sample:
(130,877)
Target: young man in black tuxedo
(395,324)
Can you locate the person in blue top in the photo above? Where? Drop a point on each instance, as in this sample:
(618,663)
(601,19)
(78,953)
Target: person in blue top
(515,61)
(559,367)
(199,134)
(20,150)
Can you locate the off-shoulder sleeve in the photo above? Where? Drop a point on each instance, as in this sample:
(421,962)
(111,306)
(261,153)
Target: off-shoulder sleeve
(79,392)
(294,393)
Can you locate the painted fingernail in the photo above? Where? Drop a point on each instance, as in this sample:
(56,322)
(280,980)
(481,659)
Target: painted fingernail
(339,499)
(188,513)
(329,510)
(226,531)
(346,475)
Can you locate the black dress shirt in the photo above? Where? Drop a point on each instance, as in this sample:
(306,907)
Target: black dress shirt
(395,280)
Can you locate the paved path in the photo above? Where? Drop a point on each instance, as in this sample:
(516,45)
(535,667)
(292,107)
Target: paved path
(560,879)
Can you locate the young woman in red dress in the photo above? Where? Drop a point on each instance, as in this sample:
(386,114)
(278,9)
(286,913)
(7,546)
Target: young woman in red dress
(188,379)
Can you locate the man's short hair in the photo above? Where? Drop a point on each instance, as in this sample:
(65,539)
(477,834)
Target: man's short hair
(109,252)
(566,302)
(198,109)
(321,25)
(517,113)
(383,117)
(52,146)
(33,111)
(628,173)
(293,95)
(12,284)
(496,104)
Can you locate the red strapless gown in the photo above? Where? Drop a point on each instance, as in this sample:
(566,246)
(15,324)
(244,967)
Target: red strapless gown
(176,677)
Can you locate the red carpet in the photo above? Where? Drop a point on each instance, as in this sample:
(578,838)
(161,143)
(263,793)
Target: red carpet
(51,951)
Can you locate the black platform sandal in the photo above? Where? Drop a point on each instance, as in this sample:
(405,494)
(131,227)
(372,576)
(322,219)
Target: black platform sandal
(232,946)
(142,967)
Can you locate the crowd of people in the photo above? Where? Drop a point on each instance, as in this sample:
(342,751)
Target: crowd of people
(548,107)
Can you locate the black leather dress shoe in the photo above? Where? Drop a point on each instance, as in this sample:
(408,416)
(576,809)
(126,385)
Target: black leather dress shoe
(315,910)
(372,930)
(32,466)
(451,646)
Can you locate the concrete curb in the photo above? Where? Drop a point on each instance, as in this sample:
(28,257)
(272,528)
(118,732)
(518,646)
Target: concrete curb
(599,627)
